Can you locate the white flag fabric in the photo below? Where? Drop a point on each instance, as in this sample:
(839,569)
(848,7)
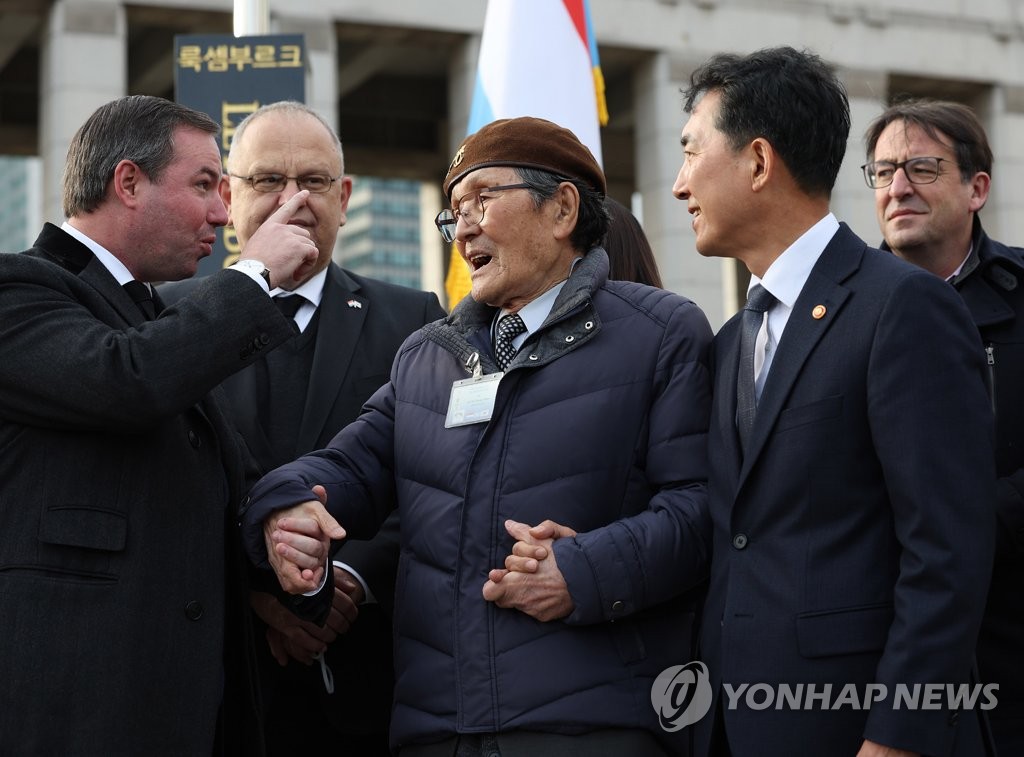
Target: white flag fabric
(539,58)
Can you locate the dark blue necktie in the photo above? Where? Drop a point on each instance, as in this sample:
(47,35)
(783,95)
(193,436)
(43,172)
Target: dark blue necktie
(758,302)
(509,327)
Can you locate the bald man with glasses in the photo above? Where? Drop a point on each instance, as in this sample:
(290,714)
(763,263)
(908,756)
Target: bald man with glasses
(336,678)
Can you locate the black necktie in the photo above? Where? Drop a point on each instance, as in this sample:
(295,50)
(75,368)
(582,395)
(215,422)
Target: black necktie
(289,305)
(758,302)
(509,327)
(142,295)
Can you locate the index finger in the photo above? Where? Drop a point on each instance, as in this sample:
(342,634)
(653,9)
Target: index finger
(284,213)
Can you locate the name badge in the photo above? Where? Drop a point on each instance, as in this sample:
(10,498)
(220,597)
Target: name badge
(472,400)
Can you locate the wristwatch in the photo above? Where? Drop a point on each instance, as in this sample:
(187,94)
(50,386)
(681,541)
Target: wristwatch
(254,266)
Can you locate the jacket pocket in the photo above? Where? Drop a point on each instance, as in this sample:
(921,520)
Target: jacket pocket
(829,407)
(849,630)
(84,527)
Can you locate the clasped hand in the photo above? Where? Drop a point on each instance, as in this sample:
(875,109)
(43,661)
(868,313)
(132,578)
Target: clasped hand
(289,637)
(531,581)
(298,543)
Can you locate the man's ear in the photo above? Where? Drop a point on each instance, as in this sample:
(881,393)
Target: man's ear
(224,188)
(763,163)
(127,182)
(980,185)
(346,194)
(567,209)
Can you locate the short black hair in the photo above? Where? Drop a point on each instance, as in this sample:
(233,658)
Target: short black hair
(791,98)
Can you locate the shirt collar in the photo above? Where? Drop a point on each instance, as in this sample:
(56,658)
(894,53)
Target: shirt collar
(789,272)
(967,265)
(312,290)
(110,262)
(535,312)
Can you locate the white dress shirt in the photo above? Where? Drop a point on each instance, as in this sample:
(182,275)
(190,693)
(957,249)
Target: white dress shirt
(785,279)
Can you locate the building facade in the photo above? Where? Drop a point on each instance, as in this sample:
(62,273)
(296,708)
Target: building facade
(396,77)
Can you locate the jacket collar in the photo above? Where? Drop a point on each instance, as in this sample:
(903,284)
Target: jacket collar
(466,330)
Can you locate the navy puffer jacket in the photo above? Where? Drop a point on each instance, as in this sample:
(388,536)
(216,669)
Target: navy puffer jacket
(599,424)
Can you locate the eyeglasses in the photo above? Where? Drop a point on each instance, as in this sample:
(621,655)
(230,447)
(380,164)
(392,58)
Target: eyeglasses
(469,211)
(880,173)
(317,183)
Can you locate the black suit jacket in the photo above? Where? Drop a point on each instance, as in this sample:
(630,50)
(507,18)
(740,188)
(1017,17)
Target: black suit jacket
(853,541)
(362,323)
(121,477)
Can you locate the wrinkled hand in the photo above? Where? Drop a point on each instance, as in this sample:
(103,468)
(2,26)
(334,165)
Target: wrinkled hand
(539,590)
(871,749)
(287,250)
(347,586)
(290,637)
(526,554)
(299,542)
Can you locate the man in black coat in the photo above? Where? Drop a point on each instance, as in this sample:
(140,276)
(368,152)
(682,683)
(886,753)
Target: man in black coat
(931,166)
(337,680)
(121,606)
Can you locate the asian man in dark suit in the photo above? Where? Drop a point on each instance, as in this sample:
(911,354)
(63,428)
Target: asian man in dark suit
(122,612)
(851,449)
(348,329)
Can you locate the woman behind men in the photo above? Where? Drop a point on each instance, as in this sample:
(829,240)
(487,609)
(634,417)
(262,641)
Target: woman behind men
(630,257)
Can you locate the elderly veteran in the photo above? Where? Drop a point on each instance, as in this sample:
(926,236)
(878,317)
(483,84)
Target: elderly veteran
(590,411)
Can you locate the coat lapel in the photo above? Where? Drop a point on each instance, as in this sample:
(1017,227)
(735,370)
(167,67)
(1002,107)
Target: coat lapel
(71,254)
(336,337)
(820,302)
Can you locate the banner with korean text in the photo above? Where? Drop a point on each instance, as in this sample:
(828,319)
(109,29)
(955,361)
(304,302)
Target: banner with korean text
(228,78)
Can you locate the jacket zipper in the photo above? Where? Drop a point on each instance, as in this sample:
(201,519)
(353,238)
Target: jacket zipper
(990,355)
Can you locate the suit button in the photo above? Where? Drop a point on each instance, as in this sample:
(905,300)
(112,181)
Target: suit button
(618,606)
(194,440)
(193,609)
(739,541)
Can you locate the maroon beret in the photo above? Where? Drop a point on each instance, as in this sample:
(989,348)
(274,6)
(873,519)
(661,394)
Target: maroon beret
(526,143)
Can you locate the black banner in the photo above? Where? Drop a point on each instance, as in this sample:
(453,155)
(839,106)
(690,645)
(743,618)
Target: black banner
(228,78)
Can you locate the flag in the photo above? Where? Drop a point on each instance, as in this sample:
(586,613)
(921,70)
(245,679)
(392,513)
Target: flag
(537,58)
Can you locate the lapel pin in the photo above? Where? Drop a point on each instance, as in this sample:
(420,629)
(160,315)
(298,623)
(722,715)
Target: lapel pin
(357,304)
(819,312)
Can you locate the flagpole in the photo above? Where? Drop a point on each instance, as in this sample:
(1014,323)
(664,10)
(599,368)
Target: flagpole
(252,17)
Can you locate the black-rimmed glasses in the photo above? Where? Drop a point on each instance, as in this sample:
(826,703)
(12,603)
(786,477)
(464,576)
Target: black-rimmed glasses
(880,173)
(317,183)
(470,212)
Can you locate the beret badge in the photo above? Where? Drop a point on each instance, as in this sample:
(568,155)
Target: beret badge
(457,159)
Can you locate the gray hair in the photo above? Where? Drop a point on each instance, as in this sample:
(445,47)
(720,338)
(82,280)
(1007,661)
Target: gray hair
(290,107)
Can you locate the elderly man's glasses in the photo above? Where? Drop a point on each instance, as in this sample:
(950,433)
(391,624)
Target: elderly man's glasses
(470,208)
(317,183)
(880,173)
